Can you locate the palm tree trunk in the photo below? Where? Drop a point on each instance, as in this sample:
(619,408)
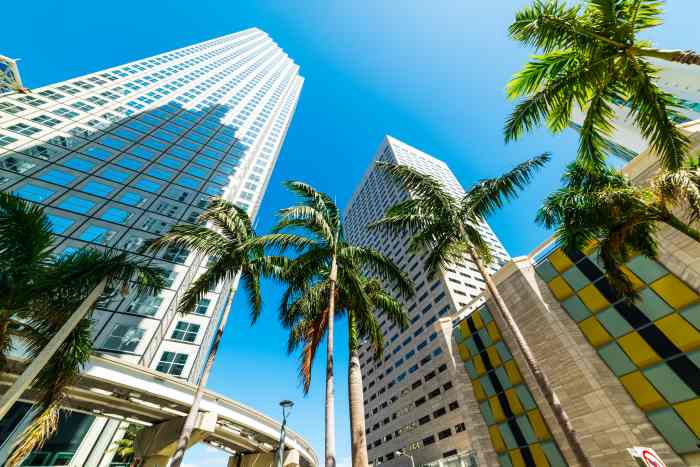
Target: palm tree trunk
(30,373)
(188,426)
(687,57)
(540,378)
(330,400)
(672,221)
(356,402)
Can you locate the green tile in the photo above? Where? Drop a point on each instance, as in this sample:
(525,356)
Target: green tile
(668,383)
(546,271)
(595,257)
(553,455)
(486,315)
(576,309)
(469,366)
(457,335)
(674,430)
(695,357)
(507,436)
(527,430)
(504,460)
(488,387)
(503,377)
(485,338)
(648,270)
(652,305)
(503,351)
(473,350)
(692,314)
(525,397)
(616,359)
(614,323)
(487,413)
(575,278)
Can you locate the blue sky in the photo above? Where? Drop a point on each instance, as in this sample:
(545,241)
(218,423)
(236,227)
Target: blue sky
(430,73)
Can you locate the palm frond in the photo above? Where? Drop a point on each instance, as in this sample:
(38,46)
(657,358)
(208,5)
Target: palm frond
(548,25)
(489,195)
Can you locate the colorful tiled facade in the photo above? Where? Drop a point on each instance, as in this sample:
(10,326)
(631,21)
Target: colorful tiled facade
(652,344)
(518,431)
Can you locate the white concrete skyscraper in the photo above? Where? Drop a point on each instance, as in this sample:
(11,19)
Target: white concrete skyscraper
(411,403)
(119,156)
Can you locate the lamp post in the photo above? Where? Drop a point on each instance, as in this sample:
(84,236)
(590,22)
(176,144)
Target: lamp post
(401,453)
(286,408)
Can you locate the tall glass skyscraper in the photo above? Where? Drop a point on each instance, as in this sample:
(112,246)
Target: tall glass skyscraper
(119,156)
(411,401)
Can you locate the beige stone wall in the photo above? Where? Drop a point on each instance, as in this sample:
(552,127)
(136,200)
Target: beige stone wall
(605,417)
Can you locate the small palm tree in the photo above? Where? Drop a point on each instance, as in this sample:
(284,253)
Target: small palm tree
(46,300)
(305,313)
(323,248)
(446,228)
(227,237)
(603,206)
(592,57)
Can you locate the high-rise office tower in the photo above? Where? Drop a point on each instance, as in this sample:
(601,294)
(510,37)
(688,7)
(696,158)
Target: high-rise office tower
(119,156)
(410,401)
(681,81)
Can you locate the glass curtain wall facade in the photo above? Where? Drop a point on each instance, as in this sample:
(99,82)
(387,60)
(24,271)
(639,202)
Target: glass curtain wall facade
(119,156)
(410,401)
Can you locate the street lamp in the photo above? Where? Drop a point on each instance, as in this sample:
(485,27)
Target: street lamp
(286,408)
(401,453)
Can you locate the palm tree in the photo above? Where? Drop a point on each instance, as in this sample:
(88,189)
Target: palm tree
(446,228)
(46,300)
(592,57)
(603,206)
(227,237)
(305,312)
(323,248)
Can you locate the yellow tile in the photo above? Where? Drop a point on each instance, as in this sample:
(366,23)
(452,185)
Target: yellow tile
(463,352)
(493,356)
(496,409)
(514,402)
(479,365)
(681,332)
(538,424)
(478,322)
(643,393)
(590,246)
(638,350)
(690,413)
(538,455)
(637,283)
(559,260)
(496,439)
(513,372)
(516,458)
(479,392)
(492,328)
(464,329)
(674,291)
(592,298)
(560,289)
(594,332)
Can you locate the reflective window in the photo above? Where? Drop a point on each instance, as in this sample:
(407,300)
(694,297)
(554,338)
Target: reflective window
(116,215)
(78,163)
(172,363)
(34,193)
(76,204)
(57,176)
(147,185)
(129,163)
(115,175)
(97,234)
(59,224)
(185,331)
(95,188)
(132,199)
(124,338)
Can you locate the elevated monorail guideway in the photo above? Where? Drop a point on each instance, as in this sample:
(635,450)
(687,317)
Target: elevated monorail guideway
(119,390)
